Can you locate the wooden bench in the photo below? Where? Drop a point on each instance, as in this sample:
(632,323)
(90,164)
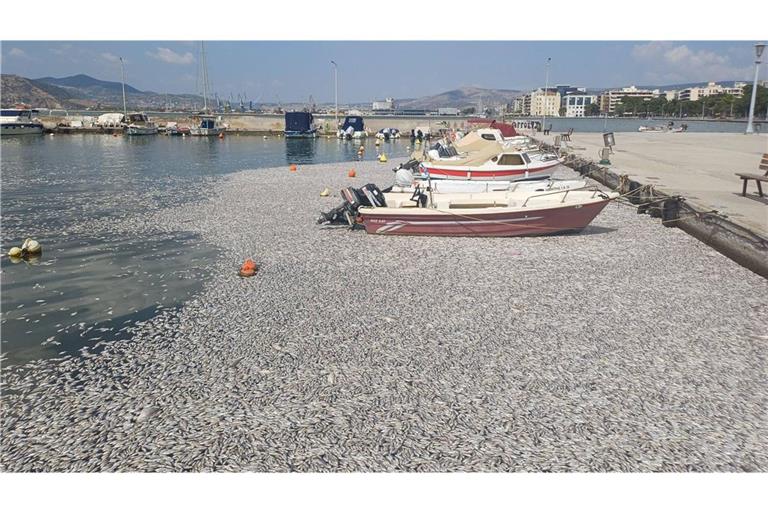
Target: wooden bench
(745,177)
(567,136)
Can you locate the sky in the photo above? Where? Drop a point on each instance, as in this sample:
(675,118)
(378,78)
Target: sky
(291,71)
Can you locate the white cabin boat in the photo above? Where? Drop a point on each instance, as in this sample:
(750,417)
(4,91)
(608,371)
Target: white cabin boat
(140,124)
(19,121)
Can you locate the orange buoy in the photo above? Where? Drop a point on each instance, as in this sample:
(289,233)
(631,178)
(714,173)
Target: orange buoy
(293,167)
(221,135)
(114,135)
(248,268)
(351,173)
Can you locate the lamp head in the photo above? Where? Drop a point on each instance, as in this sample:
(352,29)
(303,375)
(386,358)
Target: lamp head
(759,47)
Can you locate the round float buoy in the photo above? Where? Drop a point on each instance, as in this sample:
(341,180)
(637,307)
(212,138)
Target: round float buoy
(248,269)
(326,192)
(15,252)
(265,137)
(221,135)
(31,247)
(378,142)
(293,167)
(114,135)
(382,158)
(351,173)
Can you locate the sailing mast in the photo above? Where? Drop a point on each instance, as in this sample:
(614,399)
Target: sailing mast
(205,76)
(125,108)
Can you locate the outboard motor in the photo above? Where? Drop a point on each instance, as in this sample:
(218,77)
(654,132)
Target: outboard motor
(354,198)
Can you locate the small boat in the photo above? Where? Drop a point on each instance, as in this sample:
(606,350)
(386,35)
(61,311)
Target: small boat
(388,133)
(140,124)
(174,130)
(468,187)
(652,129)
(208,125)
(483,214)
(300,125)
(493,163)
(19,121)
(352,128)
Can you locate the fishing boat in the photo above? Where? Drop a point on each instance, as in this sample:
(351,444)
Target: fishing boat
(499,214)
(352,128)
(175,130)
(495,213)
(19,121)
(300,125)
(493,162)
(207,125)
(139,124)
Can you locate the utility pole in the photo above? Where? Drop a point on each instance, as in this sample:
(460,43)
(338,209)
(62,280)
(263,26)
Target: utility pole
(759,47)
(546,93)
(336,92)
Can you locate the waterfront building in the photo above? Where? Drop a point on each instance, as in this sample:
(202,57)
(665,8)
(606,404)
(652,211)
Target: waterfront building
(711,89)
(386,105)
(670,95)
(609,99)
(545,103)
(575,104)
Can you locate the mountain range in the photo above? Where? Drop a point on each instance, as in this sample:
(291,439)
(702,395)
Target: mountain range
(85,92)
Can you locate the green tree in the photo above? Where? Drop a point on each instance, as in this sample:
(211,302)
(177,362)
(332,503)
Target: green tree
(593,109)
(562,111)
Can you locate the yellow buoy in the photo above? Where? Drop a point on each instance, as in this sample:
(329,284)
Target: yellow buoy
(31,246)
(382,158)
(378,142)
(326,192)
(15,252)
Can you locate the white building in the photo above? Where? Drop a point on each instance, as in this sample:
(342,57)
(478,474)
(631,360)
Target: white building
(609,99)
(576,104)
(711,89)
(387,104)
(545,103)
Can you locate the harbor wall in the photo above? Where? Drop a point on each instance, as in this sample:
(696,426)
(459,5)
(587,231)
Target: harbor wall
(275,123)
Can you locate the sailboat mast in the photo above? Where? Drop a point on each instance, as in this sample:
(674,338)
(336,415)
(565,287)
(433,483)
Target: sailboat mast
(125,108)
(205,76)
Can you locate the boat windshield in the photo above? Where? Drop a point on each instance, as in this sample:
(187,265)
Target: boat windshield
(526,158)
(511,159)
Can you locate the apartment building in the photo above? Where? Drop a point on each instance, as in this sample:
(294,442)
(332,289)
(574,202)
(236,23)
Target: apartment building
(545,103)
(609,99)
(575,104)
(711,89)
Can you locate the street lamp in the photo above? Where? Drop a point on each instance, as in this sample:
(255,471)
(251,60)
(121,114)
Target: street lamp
(546,88)
(336,91)
(759,47)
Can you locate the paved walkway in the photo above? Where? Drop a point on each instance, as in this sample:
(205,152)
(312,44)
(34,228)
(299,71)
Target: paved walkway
(698,166)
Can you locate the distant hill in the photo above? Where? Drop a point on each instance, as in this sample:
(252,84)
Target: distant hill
(85,92)
(17,89)
(460,98)
(84,84)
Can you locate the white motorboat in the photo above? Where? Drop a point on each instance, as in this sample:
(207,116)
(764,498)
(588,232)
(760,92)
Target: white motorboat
(207,126)
(19,121)
(474,187)
(140,124)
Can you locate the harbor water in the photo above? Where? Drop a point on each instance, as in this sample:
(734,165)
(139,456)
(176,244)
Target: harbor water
(77,194)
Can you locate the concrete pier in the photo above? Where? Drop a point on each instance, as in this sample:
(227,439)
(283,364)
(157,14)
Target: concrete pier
(697,166)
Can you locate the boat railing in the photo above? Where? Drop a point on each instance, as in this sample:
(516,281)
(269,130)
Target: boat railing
(564,192)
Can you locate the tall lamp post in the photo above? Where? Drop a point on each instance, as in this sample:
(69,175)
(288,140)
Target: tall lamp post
(759,47)
(546,93)
(336,91)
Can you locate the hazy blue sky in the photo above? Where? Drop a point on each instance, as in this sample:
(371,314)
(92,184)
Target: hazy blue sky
(370,70)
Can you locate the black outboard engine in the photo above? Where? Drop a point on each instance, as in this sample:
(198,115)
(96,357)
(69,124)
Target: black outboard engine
(411,165)
(354,198)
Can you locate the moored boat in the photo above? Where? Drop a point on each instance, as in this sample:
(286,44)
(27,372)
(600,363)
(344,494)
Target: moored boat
(495,163)
(140,124)
(207,126)
(300,125)
(352,128)
(486,214)
(19,121)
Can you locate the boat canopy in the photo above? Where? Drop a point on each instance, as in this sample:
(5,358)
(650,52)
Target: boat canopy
(137,117)
(298,121)
(355,122)
(473,141)
(479,157)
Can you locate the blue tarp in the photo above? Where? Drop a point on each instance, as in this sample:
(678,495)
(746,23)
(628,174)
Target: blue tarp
(355,122)
(298,121)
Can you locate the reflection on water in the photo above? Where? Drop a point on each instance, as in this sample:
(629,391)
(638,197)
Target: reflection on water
(75,193)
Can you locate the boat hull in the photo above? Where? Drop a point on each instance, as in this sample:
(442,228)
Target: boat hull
(491,222)
(301,135)
(141,130)
(206,132)
(539,170)
(7,129)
